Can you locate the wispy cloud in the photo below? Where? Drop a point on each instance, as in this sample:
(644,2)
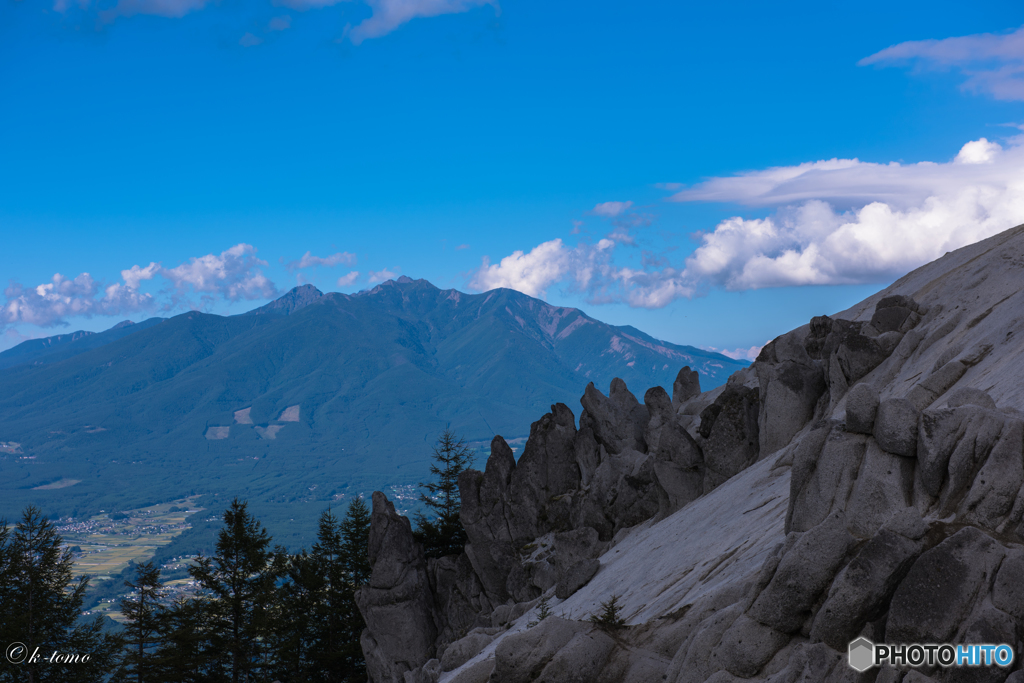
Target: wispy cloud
(382,275)
(280,23)
(610,209)
(993,63)
(894,218)
(173,9)
(386,16)
(310,261)
(390,14)
(349,279)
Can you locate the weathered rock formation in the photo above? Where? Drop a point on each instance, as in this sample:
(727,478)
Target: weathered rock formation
(865,477)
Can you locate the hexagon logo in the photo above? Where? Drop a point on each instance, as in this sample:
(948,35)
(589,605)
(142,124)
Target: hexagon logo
(862,654)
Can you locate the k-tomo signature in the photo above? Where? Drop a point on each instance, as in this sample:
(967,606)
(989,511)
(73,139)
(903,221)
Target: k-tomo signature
(17,653)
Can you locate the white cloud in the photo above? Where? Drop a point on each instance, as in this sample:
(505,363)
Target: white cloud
(249,40)
(310,261)
(376,276)
(902,217)
(390,14)
(348,280)
(896,217)
(611,209)
(233,275)
(737,354)
(993,63)
(51,303)
(531,273)
(134,275)
(978,152)
(585,268)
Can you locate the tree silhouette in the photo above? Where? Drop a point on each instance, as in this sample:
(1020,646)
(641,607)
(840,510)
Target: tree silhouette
(142,612)
(241,580)
(444,534)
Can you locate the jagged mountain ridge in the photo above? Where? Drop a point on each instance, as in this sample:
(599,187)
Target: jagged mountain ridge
(309,397)
(871,483)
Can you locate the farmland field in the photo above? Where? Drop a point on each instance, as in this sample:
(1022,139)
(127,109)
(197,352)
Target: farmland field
(105,543)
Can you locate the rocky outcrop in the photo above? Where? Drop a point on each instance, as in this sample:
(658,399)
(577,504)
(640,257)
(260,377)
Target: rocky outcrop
(397,603)
(864,478)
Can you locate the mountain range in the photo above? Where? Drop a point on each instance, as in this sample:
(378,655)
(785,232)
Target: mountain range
(307,400)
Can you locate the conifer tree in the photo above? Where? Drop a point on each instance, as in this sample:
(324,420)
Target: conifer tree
(41,603)
(186,633)
(321,625)
(142,612)
(355,564)
(299,619)
(444,534)
(240,578)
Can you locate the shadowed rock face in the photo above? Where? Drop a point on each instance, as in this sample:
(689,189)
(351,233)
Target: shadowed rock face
(895,430)
(397,603)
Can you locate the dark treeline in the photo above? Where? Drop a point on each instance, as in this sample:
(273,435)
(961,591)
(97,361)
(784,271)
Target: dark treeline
(257,613)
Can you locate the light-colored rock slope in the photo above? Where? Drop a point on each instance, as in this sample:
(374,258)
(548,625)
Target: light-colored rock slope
(864,477)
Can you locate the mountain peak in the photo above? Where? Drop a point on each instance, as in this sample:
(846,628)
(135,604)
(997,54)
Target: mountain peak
(299,297)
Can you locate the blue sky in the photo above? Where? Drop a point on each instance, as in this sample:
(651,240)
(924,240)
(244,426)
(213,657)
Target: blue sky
(711,173)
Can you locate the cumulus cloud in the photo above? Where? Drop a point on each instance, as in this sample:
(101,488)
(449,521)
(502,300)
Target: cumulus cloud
(390,14)
(903,216)
(891,218)
(585,268)
(310,261)
(462,247)
(348,280)
(235,274)
(993,63)
(51,303)
(249,40)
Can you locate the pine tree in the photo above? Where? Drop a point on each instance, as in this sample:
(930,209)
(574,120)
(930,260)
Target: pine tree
(444,534)
(355,564)
(41,605)
(186,633)
(299,619)
(241,579)
(142,612)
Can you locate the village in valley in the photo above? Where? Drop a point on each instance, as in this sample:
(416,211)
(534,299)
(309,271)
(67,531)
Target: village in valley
(104,544)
